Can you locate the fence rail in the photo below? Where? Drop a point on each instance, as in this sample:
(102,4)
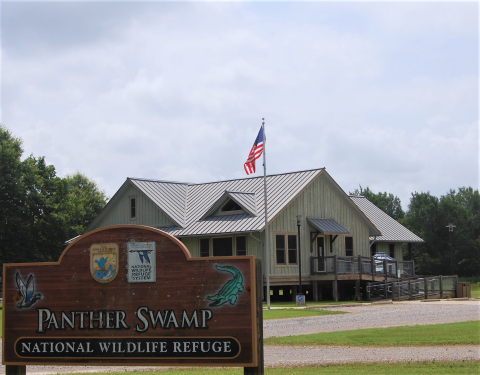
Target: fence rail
(362,265)
(420,288)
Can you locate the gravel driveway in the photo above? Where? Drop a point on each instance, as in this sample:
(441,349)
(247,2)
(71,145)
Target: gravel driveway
(362,316)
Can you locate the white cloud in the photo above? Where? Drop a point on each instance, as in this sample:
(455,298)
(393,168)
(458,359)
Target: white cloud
(177,91)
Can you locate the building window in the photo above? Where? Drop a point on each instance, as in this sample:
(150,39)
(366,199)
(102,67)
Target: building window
(286,249)
(230,206)
(133,208)
(222,246)
(373,249)
(204,247)
(349,246)
(241,245)
(392,250)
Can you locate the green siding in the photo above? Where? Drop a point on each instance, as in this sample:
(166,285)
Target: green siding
(147,212)
(321,200)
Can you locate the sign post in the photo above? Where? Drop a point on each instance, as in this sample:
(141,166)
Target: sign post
(132,295)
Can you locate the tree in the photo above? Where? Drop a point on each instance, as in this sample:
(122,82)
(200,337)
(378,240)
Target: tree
(387,202)
(85,201)
(39,211)
(428,216)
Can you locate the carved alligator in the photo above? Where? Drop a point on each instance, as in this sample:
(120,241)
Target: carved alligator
(230,290)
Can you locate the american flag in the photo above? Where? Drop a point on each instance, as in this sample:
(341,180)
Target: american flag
(255,153)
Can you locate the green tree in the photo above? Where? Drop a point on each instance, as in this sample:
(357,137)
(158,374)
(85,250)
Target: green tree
(387,202)
(39,211)
(428,216)
(85,201)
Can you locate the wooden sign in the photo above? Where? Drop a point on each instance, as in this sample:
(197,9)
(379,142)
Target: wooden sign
(130,295)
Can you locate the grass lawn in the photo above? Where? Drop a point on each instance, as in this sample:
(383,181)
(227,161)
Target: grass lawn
(296,313)
(411,368)
(311,303)
(439,334)
(475,293)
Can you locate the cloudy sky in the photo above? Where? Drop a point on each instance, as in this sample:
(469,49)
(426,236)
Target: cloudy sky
(382,94)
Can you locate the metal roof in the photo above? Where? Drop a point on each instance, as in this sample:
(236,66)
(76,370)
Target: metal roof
(327,226)
(392,230)
(187,204)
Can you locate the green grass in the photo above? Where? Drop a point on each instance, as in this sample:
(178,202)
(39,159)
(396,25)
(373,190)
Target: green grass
(439,334)
(296,313)
(474,293)
(410,368)
(311,303)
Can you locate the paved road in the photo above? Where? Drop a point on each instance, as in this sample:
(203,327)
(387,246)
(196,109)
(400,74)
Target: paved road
(362,316)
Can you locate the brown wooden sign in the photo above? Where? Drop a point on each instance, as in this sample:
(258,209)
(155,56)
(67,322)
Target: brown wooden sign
(130,295)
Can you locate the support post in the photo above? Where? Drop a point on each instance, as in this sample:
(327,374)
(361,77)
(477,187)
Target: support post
(385,289)
(357,290)
(335,290)
(315,291)
(441,286)
(15,370)
(373,268)
(260,369)
(409,289)
(394,291)
(426,287)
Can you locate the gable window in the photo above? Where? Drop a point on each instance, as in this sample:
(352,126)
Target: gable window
(230,206)
(204,247)
(222,246)
(133,208)
(392,250)
(349,246)
(241,245)
(373,249)
(286,249)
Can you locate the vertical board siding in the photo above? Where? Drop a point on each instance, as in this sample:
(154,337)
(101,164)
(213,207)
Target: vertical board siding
(320,200)
(147,212)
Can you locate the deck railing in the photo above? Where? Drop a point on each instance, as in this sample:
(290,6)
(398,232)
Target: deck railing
(362,265)
(420,288)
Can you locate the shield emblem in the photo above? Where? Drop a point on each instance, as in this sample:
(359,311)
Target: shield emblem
(104,262)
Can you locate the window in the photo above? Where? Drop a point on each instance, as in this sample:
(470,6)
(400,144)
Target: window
(222,246)
(373,249)
(204,247)
(321,246)
(392,250)
(133,208)
(349,246)
(230,206)
(286,249)
(241,245)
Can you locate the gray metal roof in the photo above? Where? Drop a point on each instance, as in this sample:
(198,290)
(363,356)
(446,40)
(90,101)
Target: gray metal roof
(392,230)
(327,226)
(187,204)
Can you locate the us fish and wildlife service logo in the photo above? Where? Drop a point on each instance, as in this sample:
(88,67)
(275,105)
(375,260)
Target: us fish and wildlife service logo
(104,262)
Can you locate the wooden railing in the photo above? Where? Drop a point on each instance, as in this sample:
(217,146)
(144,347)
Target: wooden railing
(424,287)
(361,265)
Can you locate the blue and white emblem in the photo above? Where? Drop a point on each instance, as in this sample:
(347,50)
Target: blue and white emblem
(141,262)
(26,296)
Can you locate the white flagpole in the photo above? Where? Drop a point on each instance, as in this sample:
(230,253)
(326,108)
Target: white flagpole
(267,251)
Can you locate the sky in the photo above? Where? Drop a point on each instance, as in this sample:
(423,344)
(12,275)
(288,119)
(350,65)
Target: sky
(381,94)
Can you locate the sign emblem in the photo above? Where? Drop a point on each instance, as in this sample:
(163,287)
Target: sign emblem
(141,262)
(230,290)
(26,295)
(104,261)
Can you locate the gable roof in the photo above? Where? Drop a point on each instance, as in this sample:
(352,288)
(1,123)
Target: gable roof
(392,230)
(245,200)
(190,205)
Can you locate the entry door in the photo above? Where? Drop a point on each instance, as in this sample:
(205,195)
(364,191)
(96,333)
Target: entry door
(321,253)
